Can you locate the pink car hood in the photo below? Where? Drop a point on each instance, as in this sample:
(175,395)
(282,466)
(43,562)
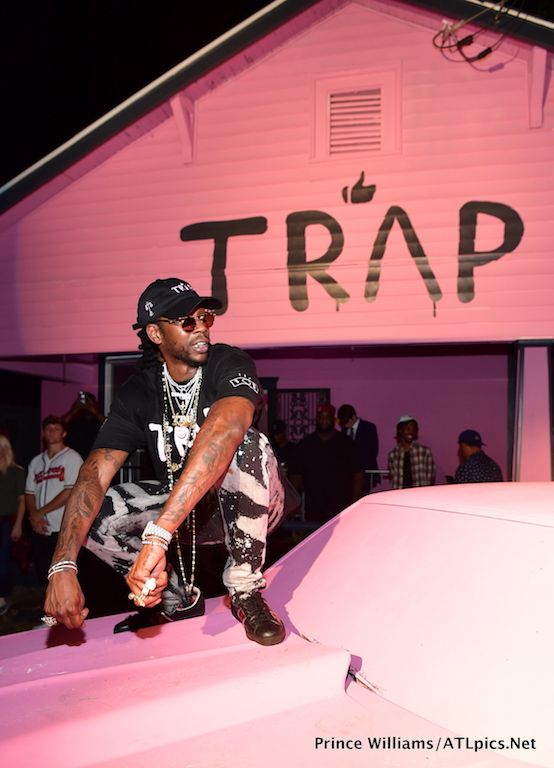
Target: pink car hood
(420,632)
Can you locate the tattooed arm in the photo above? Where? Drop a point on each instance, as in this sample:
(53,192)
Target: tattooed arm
(212,452)
(64,598)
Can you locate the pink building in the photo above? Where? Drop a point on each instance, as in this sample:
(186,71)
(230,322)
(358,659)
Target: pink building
(374,212)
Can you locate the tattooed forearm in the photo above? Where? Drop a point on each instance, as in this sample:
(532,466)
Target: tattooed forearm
(109,456)
(86,499)
(210,456)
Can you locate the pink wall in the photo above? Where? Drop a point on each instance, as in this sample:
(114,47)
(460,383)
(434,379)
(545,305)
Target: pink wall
(463,136)
(533,455)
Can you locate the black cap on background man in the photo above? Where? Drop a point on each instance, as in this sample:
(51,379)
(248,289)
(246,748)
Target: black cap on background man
(471,437)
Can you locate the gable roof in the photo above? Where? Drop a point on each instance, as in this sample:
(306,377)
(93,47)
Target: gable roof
(148,107)
(203,70)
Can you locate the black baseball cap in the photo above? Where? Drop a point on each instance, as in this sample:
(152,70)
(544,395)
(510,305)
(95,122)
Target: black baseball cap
(170,297)
(471,437)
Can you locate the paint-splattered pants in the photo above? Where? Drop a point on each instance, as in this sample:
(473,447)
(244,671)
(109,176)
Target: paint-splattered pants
(246,505)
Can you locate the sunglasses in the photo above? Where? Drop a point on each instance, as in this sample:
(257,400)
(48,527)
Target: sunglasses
(189,323)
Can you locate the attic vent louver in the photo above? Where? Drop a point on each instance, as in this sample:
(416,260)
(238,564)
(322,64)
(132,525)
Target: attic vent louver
(355,121)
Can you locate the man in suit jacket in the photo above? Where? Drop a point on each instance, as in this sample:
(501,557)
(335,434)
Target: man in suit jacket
(364,434)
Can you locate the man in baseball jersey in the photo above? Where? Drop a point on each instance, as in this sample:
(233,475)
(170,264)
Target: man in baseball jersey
(50,478)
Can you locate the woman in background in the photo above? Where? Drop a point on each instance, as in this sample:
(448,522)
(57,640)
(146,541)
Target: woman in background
(12,510)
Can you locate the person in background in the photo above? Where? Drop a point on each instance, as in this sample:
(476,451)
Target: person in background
(327,469)
(12,510)
(475,466)
(50,477)
(364,434)
(82,422)
(283,447)
(410,464)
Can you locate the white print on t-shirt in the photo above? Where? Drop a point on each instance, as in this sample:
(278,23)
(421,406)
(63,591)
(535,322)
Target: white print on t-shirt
(243,380)
(183,438)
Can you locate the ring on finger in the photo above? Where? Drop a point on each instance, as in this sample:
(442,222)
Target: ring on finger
(138,599)
(149,585)
(50,621)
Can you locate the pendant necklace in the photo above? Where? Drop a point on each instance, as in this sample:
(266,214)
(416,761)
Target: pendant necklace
(180,408)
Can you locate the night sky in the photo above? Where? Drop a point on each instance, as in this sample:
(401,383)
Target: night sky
(65,63)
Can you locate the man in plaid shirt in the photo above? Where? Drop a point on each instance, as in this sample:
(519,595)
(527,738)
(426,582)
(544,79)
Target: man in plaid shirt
(410,464)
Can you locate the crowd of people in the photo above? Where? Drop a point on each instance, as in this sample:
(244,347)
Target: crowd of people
(216,478)
(338,463)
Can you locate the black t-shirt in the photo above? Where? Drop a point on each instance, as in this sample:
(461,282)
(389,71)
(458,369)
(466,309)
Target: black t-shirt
(327,468)
(135,418)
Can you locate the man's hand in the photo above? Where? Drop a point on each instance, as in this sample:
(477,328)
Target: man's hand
(150,563)
(17,531)
(65,600)
(39,523)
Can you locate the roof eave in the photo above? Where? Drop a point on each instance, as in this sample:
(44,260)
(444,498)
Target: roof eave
(208,58)
(150,97)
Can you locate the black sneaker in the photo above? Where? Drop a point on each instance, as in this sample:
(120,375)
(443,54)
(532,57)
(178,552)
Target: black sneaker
(260,623)
(153,617)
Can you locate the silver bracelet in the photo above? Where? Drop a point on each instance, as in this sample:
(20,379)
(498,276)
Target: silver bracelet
(161,544)
(62,565)
(156,530)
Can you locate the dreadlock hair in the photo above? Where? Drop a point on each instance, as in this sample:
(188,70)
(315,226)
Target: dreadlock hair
(151,360)
(150,352)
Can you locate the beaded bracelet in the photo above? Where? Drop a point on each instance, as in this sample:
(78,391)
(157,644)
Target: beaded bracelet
(62,565)
(156,530)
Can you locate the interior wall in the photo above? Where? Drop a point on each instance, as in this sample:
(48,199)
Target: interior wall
(446,391)
(60,382)
(534,451)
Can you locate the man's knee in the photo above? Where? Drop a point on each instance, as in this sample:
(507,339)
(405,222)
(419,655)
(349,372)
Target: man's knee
(100,525)
(250,453)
